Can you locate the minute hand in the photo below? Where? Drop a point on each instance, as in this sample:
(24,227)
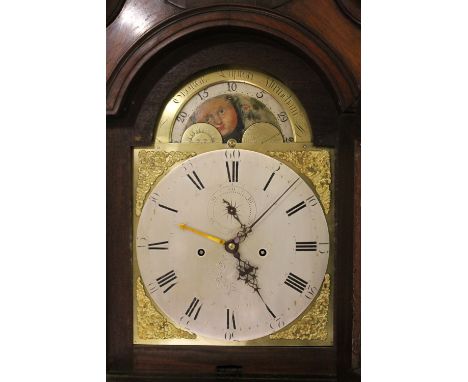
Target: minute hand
(269,208)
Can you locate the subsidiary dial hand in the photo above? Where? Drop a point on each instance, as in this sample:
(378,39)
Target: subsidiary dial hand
(232,210)
(185,227)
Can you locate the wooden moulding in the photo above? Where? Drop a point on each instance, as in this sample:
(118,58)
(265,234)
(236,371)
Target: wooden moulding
(122,70)
(163,27)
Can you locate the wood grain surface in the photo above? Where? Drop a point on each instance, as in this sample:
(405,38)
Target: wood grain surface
(318,29)
(155,46)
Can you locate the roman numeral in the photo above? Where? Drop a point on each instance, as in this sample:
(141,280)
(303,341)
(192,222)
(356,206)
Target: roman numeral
(269,180)
(296,282)
(294,209)
(233,173)
(196,180)
(161,245)
(192,307)
(230,320)
(306,246)
(167,208)
(166,279)
(162,281)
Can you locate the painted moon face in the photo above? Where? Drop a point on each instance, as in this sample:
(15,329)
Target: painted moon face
(232,108)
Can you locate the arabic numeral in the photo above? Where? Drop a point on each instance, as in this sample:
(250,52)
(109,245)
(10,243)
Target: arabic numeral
(311,291)
(203,94)
(278,323)
(181,117)
(232,86)
(282,116)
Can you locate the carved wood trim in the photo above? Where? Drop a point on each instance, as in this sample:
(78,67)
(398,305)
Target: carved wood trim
(184,24)
(113,8)
(186,4)
(352,9)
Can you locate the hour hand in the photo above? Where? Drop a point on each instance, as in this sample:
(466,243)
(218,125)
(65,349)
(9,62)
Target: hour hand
(186,227)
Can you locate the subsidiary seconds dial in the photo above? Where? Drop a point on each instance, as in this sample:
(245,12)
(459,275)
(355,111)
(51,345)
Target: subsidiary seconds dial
(232,245)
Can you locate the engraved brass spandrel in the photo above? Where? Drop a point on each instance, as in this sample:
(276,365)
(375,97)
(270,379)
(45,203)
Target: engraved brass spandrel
(313,164)
(313,325)
(151,165)
(151,324)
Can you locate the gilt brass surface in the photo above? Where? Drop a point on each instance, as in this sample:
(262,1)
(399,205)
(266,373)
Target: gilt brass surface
(201,133)
(262,132)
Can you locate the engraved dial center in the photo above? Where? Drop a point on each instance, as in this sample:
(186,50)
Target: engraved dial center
(229,202)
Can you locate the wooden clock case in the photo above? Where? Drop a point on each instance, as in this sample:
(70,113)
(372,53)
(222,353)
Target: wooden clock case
(155,46)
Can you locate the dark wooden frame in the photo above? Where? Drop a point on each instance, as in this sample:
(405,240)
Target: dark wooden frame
(138,85)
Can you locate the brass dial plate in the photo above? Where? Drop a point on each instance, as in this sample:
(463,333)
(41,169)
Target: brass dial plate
(314,328)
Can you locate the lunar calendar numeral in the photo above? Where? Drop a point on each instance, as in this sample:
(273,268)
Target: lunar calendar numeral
(159,246)
(162,281)
(295,282)
(196,180)
(283,117)
(306,246)
(232,86)
(203,94)
(296,208)
(233,172)
(193,305)
(230,320)
(181,117)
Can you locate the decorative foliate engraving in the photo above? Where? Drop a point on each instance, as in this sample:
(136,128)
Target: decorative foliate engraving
(313,325)
(152,325)
(313,164)
(151,165)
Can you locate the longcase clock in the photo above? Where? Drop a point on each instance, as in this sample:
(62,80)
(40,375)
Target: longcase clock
(233,142)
